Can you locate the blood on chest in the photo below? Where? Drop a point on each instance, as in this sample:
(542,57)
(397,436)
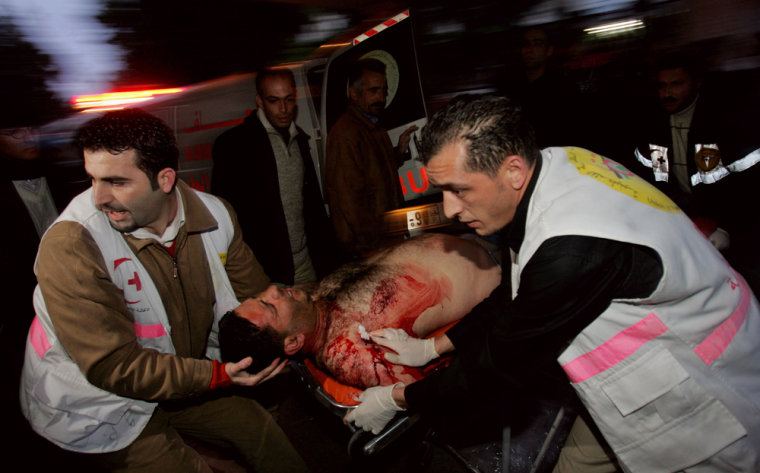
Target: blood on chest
(396,302)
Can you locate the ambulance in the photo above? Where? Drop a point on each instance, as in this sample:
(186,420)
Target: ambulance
(200,113)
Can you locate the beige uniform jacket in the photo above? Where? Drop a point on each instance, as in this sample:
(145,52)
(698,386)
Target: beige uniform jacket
(92,321)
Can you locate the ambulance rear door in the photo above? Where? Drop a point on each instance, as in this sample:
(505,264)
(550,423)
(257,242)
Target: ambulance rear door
(391,42)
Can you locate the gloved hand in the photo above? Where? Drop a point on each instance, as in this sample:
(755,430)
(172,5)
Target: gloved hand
(720,239)
(410,351)
(377,408)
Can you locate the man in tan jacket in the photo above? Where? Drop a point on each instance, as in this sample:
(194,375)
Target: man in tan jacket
(132,279)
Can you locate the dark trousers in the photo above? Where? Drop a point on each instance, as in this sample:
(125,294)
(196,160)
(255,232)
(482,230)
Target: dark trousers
(233,422)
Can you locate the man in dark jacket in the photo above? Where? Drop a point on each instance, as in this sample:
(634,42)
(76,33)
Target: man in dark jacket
(693,150)
(361,168)
(264,169)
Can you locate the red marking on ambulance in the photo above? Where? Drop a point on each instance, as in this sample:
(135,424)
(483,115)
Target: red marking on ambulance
(198,152)
(200,183)
(386,24)
(198,124)
(413,183)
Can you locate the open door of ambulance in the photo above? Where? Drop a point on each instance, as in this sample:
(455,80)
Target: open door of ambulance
(391,42)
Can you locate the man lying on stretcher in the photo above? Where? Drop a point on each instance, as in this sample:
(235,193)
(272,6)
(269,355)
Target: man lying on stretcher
(416,287)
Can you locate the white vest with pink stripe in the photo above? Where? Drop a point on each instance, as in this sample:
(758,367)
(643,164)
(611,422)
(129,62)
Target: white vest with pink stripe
(60,404)
(673,379)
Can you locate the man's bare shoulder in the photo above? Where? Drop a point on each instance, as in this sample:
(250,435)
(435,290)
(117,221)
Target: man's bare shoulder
(435,255)
(438,248)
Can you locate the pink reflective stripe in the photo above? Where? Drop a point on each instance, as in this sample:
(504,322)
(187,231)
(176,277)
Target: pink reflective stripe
(715,344)
(149,331)
(37,338)
(614,350)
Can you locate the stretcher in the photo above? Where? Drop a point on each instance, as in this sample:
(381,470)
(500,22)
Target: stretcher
(531,449)
(340,398)
(336,397)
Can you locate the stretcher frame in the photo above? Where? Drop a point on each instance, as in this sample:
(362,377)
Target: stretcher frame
(361,443)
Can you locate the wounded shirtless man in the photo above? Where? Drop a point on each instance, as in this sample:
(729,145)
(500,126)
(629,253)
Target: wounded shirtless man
(347,320)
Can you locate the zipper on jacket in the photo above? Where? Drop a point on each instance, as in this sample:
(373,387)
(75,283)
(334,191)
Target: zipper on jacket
(174,269)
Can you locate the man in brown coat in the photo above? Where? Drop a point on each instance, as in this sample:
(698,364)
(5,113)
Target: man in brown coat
(361,167)
(120,358)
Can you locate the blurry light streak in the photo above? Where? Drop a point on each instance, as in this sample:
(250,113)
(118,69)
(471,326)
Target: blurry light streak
(118,99)
(78,44)
(615,28)
(321,26)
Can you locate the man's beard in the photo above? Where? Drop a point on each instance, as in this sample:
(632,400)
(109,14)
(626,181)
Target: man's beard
(377,108)
(122,226)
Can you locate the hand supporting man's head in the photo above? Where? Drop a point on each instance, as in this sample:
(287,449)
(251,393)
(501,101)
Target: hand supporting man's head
(481,152)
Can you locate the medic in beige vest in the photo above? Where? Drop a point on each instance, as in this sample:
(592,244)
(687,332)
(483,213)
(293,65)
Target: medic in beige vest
(674,378)
(58,401)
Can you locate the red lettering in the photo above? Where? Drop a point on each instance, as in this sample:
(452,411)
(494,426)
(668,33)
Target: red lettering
(413,185)
(198,152)
(200,183)
(401,182)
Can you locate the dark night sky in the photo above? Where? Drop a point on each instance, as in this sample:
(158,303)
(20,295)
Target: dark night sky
(460,45)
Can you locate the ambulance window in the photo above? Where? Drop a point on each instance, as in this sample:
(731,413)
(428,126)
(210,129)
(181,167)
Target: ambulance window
(315,76)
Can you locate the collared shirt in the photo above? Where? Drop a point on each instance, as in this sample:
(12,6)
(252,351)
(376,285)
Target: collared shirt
(171,231)
(503,343)
(373,118)
(680,122)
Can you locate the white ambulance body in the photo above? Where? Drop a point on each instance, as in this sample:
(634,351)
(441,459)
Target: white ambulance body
(200,113)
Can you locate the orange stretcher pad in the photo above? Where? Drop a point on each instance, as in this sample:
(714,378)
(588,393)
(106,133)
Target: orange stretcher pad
(348,395)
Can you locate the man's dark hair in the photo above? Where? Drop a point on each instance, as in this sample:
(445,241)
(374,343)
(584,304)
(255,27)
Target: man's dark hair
(132,128)
(274,72)
(239,338)
(680,60)
(491,127)
(356,70)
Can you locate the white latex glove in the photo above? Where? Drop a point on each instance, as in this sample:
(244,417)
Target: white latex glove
(377,408)
(720,239)
(410,351)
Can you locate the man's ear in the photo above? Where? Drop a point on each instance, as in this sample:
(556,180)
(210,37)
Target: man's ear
(352,94)
(515,171)
(166,179)
(259,102)
(293,343)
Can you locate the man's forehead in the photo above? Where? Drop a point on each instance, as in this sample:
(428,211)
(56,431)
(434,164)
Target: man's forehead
(675,74)
(536,38)
(375,78)
(447,163)
(126,157)
(277,86)
(250,309)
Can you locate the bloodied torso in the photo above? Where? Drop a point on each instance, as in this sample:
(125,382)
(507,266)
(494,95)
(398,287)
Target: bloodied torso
(413,290)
